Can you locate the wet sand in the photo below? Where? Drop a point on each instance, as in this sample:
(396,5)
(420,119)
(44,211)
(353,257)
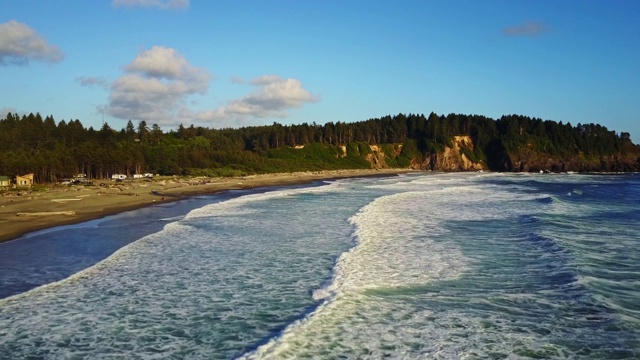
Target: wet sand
(26,211)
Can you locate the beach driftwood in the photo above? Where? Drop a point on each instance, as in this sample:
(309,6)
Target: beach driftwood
(45,213)
(65,200)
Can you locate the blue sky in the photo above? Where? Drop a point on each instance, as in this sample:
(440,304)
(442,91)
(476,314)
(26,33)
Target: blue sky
(239,63)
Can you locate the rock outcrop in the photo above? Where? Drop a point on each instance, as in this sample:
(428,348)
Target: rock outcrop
(529,160)
(461,156)
(377,158)
(454,158)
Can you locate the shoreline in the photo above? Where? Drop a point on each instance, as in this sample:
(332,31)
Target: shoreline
(25,212)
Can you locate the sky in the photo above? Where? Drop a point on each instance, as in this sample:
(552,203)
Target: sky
(232,63)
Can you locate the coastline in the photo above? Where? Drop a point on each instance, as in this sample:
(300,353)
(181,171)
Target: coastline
(64,205)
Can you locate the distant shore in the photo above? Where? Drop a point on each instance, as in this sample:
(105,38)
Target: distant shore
(27,211)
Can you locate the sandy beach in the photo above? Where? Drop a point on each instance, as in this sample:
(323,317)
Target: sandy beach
(26,211)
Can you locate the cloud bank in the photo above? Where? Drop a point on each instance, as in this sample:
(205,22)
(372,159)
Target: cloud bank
(155,86)
(20,44)
(530,28)
(273,97)
(160,4)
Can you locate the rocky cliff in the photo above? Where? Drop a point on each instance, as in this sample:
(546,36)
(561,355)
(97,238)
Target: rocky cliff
(535,162)
(527,159)
(454,158)
(376,158)
(461,156)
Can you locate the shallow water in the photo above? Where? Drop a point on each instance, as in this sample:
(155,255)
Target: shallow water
(416,266)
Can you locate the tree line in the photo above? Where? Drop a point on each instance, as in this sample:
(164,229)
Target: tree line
(54,150)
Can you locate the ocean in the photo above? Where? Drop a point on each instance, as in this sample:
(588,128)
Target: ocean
(418,266)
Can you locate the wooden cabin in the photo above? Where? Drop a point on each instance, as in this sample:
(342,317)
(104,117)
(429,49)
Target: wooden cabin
(24,180)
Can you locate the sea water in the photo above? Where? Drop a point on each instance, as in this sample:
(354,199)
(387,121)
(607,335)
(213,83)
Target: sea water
(418,266)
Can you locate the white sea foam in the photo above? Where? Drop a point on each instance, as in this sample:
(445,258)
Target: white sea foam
(399,250)
(231,274)
(179,291)
(236,205)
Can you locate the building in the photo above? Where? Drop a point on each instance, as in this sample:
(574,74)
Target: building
(24,180)
(4,182)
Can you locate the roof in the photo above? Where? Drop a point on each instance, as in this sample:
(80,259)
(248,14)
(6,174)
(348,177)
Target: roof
(4,178)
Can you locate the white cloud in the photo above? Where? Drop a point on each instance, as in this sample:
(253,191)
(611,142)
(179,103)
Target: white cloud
(273,98)
(161,4)
(157,84)
(266,80)
(164,63)
(19,44)
(90,81)
(155,87)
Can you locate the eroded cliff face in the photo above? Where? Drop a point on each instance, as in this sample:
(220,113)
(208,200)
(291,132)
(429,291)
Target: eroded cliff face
(527,159)
(535,162)
(454,158)
(377,158)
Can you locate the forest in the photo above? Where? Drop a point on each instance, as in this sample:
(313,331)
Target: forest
(54,150)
